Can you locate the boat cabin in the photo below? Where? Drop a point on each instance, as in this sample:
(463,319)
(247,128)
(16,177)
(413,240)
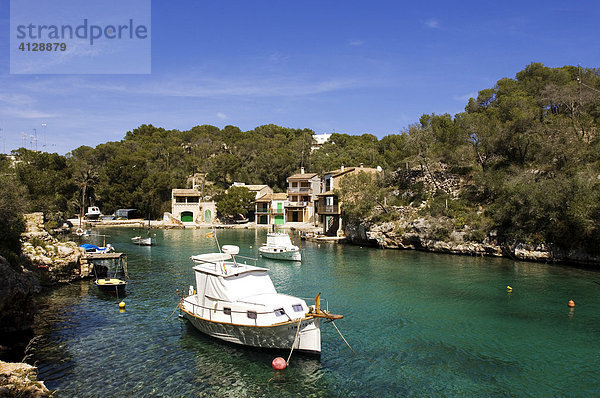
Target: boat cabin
(231,292)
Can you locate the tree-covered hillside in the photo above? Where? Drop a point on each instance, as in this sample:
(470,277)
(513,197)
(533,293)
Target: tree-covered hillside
(522,161)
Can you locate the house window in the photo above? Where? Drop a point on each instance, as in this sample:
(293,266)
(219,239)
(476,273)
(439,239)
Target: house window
(193,199)
(180,199)
(227,311)
(252,314)
(279,312)
(297,307)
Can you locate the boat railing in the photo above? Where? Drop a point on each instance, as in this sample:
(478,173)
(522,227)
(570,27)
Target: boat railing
(312,299)
(234,261)
(198,309)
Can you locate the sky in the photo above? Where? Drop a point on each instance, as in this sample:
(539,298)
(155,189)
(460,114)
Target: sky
(348,66)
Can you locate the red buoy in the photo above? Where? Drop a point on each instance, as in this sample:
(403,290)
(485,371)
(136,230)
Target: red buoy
(571,303)
(279,363)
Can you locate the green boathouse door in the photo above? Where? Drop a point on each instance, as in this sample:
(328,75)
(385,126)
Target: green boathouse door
(207,216)
(187,216)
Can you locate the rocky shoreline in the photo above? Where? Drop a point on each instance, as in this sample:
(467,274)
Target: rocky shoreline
(418,234)
(46,262)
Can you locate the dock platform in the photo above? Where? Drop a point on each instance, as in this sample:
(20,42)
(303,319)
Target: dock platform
(105,256)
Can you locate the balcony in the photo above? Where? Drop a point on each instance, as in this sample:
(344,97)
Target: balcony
(299,190)
(263,211)
(328,209)
(296,204)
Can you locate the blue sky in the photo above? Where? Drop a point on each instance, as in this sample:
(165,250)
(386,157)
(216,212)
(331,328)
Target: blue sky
(332,66)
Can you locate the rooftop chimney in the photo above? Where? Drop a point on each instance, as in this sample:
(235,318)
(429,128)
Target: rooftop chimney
(362,165)
(342,168)
(301,170)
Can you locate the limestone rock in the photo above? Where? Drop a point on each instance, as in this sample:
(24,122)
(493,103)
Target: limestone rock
(20,380)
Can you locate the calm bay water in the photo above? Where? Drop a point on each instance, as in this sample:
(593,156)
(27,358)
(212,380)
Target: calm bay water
(421,325)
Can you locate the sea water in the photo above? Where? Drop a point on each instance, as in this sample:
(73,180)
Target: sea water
(421,324)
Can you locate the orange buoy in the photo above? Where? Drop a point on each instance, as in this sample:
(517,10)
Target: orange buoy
(571,303)
(279,363)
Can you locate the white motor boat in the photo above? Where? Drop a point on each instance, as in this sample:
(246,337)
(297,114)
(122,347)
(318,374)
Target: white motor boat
(238,303)
(279,246)
(138,240)
(93,213)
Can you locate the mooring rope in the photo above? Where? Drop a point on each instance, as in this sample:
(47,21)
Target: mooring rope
(342,336)
(293,345)
(180,300)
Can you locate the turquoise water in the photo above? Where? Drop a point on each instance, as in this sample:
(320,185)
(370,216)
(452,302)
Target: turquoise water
(421,325)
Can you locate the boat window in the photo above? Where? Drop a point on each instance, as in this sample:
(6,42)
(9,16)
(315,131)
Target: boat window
(227,311)
(252,314)
(297,307)
(279,312)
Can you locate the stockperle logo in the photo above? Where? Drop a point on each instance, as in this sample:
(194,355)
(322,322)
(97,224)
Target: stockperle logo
(80,37)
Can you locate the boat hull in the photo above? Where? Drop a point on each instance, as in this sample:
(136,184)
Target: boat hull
(111,285)
(142,241)
(281,255)
(279,336)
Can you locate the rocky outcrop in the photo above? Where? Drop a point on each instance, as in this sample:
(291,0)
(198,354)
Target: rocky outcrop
(51,260)
(20,380)
(422,233)
(419,234)
(57,262)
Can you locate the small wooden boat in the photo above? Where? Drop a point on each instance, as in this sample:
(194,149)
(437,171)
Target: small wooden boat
(111,285)
(138,240)
(89,248)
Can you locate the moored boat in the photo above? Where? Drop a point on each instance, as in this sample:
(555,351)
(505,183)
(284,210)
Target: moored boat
(238,303)
(111,285)
(89,248)
(138,240)
(279,246)
(93,213)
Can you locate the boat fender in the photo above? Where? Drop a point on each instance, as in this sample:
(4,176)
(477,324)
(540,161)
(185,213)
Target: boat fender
(191,291)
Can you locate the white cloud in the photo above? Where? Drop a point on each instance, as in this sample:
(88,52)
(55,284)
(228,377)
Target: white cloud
(355,43)
(20,106)
(19,112)
(221,115)
(465,97)
(432,23)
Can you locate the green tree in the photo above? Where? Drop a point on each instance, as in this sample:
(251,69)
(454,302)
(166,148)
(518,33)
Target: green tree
(13,202)
(237,201)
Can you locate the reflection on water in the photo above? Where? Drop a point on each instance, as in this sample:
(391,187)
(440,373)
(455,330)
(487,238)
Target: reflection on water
(421,324)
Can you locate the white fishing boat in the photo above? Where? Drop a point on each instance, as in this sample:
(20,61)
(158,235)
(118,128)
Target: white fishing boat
(279,246)
(138,240)
(238,303)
